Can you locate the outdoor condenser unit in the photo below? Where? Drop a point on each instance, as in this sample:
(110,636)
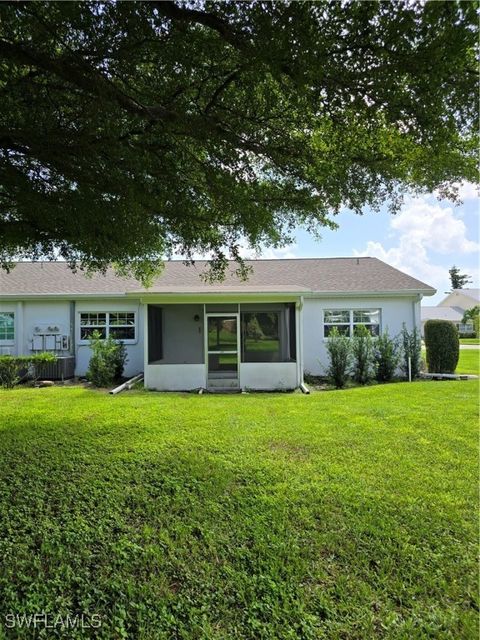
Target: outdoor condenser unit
(62,369)
(51,338)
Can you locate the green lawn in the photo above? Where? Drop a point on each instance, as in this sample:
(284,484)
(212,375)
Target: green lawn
(470,341)
(339,515)
(469,361)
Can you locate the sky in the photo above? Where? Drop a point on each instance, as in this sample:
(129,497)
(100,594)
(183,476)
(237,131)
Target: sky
(424,239)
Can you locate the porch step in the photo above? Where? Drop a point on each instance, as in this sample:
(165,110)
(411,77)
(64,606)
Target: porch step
(223,383)
(224,390)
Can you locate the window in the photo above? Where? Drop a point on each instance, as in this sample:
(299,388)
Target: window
(339,319)
(7,326)
(370,318)
(345,320)
(122,325)
(119,325)
(261,337)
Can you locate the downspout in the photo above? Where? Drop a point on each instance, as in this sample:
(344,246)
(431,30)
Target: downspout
(146,369)
(416,315)
(72,328)
(300,342)
(19,327)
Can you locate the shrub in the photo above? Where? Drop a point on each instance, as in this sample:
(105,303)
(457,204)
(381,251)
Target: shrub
(15,369)
(107,361)
(411,346)
(362,352)
(339,351)
(8,372)
(473,315)
(442,344)
(386,357)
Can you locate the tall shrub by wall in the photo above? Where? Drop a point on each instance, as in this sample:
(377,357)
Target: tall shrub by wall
(442,345)
(411,348)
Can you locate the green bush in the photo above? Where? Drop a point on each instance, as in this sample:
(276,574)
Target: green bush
(8,372)
(107,361)
(411,347)
(362,352)
(442,345)
(473,315)
(15,369)
(386,357)
(339,349)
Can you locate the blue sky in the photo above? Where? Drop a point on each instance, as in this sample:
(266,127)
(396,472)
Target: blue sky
(424,239)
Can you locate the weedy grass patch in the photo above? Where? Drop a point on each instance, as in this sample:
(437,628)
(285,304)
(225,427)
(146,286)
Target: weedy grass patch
(341,515)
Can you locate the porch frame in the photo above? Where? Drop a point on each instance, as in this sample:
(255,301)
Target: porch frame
(246,370)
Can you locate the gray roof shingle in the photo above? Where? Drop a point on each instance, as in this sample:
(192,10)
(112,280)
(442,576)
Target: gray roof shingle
(308,275)
(453,314)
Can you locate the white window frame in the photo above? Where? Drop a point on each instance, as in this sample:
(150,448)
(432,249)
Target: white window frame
(107,325)
(7,342)
(351,324)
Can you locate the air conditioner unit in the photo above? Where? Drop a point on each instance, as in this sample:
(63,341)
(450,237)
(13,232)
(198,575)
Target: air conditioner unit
(62,369)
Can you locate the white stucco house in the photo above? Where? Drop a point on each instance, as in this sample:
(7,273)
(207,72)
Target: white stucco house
(452,309)
(186,333)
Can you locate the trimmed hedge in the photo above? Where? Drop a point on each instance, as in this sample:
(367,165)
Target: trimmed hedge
(15,369)
(442,345)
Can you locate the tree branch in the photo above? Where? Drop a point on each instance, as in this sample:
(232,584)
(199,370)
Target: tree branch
(173,12)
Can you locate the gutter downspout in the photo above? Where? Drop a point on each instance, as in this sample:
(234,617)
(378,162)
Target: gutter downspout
(299,317)
(19,329)
(72,328)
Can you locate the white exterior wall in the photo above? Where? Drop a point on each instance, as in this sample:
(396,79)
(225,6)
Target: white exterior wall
(32,313)
(458,298)
(393,313)
(174,377)
(268,376)
(134,349)
(38,313)
(281,375)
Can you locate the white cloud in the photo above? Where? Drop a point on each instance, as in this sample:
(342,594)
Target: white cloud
(420,229)
(283,252)
(434,226)
(468,191)
(248,253)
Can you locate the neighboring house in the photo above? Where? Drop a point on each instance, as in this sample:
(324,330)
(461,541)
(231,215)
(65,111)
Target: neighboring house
(186,333)
(452,308)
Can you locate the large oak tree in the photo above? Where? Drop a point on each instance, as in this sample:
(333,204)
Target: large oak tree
(129,130)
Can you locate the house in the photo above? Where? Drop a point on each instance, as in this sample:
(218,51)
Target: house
(186,333)
(452,309)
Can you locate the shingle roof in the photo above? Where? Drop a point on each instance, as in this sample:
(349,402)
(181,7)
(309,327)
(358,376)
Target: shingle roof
(453,314)
(471,293)
(322,275)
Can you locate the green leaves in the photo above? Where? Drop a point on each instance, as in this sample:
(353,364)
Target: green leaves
(132,130)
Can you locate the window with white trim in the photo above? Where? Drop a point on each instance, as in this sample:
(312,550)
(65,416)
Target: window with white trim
(7,326)
(345,320)
(120,325)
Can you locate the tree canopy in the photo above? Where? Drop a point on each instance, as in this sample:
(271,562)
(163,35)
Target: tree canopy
(457,279)
(131,130)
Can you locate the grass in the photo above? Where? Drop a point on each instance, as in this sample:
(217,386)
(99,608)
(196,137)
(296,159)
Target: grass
(340,515)
(469,361)
(470,341)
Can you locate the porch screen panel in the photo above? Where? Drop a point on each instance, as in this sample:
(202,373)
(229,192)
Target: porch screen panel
(155,341)
(292,332)
(261,337)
